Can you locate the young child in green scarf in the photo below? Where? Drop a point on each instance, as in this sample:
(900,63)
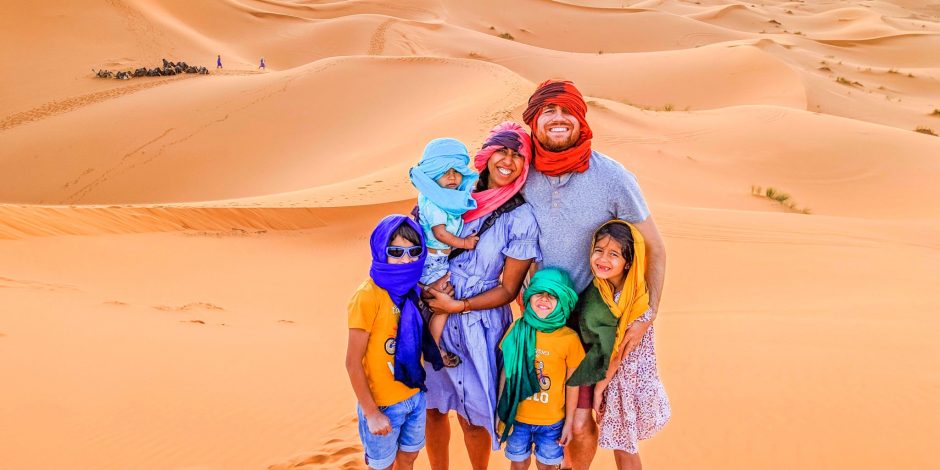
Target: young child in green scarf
(539,355)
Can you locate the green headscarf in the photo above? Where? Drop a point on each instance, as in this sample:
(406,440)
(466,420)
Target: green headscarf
(519,344)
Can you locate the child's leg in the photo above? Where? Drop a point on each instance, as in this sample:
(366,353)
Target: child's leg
(401,446)
(437,327)
(380,450)
(435,267)
(542,466)
(413,430)
(519,446)
(405,460)
(627,461)
(548,453)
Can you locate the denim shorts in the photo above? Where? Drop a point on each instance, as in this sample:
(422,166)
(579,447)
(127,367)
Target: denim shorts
(435,267)
(547,450)
(407,419)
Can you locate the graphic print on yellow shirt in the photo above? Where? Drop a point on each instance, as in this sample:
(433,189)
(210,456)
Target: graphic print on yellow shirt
(555,354)
(372,310)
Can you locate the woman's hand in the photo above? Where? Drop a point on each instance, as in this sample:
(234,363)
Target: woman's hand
(441,303)
(442,285)
(632,338)
(378,423)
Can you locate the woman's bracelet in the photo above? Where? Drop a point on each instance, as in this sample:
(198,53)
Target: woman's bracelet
(466,305)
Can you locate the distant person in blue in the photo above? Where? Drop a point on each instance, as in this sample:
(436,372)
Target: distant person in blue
(261,66)
(218,61)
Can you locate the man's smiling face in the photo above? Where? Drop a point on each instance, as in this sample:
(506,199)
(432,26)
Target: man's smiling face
(556,128)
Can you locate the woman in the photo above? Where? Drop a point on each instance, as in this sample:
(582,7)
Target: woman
(485,280)
(628,398)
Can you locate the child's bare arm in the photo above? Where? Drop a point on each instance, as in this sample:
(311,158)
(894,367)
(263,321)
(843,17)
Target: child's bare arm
(571,405)
(355,350)
(441,233)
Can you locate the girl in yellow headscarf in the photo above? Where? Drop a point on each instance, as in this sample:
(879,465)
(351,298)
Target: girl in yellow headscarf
(628,397)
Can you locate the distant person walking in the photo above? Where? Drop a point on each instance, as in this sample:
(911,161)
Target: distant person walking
(261,66)
(218,61)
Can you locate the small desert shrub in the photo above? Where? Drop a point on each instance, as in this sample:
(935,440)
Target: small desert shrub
(776,195)
(781,197)
(507,36)
(925,130)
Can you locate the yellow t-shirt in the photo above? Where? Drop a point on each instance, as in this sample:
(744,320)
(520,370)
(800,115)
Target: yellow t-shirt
(555,354)
(372,310)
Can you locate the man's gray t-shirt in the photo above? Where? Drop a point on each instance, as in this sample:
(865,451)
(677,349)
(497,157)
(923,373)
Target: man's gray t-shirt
(570,207)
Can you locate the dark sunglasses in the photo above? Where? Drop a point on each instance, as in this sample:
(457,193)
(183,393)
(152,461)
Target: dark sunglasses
(399,251)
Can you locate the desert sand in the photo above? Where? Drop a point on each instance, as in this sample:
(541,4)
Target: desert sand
(176,253)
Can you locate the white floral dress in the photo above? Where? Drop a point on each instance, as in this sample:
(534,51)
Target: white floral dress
(636,403)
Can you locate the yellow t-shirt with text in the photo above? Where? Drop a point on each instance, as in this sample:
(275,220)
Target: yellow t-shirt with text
(371,309)
(555,354)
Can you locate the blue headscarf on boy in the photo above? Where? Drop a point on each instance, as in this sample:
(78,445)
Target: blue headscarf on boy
(439,156)
(401,283)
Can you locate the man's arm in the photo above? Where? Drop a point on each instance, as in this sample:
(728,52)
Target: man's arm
(656,261)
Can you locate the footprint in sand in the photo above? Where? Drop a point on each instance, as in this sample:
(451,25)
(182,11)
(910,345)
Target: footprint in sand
(198,322)
(286,321)
(190,307)
(336,452)
(116,303)
(341,454)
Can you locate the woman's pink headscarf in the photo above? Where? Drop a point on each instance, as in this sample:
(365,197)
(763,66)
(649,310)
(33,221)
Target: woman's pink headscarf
(506,135)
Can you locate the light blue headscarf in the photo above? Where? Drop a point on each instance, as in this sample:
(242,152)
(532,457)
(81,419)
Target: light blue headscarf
(439,156)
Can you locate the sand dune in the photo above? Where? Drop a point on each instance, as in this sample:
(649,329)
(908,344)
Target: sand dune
(200,160)
(176,253)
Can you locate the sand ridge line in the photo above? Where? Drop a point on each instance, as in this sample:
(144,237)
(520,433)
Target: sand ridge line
(54,108)
(343,8)
(19,222)
(6,282)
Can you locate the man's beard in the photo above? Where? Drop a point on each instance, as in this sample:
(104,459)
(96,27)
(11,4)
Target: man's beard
(553,146)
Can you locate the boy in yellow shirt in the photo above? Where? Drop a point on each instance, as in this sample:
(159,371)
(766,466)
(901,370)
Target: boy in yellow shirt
(539,354)
(386,338)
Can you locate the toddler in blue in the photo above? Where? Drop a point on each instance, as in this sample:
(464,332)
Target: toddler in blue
(444,181)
